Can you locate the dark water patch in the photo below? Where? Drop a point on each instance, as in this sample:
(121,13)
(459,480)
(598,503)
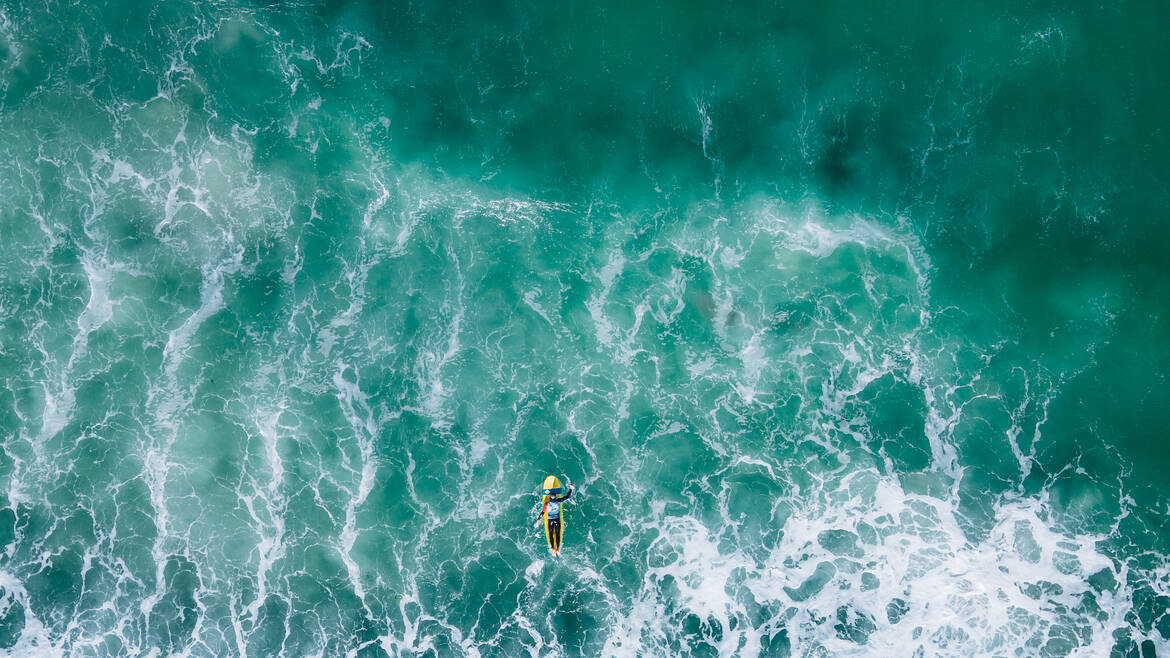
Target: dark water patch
(814,583)
(896,413)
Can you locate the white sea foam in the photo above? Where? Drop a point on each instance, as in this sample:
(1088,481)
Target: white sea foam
(851,555)
(430,365)
(361,418)
(99,308)
(596,304)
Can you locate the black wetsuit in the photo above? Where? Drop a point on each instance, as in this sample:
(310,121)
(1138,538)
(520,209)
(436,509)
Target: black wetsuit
(554,525)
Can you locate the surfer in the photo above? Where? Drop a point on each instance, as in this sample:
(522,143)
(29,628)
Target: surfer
(551,510)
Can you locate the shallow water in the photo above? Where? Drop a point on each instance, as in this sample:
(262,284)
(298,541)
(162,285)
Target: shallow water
(848,321)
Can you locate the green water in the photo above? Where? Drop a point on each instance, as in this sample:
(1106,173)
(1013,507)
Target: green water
(849,321)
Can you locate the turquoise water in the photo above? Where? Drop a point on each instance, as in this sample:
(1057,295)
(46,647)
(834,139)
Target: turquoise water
(848,320)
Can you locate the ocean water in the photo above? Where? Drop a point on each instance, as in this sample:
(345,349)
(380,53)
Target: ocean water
(849,320)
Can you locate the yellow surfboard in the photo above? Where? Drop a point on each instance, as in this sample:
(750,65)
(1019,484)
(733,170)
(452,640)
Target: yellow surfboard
(552,486)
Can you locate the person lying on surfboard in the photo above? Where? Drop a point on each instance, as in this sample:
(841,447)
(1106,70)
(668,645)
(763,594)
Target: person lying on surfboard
(550,512)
